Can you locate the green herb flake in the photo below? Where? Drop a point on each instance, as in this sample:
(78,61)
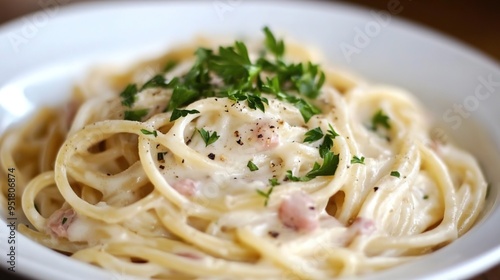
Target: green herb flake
(177,113)
(274,46)
(252,166)
(64,220)
(170,65)
(328,168)
(425,197)
(135,115)
(128,95)
(208,137)
(147,132)
(395,174)
(380,119)
(356,159)
(274,182)
(313,135)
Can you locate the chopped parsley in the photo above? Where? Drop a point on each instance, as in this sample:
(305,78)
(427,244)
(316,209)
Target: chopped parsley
(147,132)
(177,113)
(425,197)
(208,137)
(159,81)
(252,166)
(274,182)
(395,174)
(380,119)
(64,220)
(229,72)
(327,144)
(170,65)
(313,135)
(274,46)
(356,159)
(136,115)
(328,168)
(128,95)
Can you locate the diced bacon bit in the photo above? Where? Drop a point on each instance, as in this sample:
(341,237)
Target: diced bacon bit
(189,255)
(186,187)
(299,212)
(59,221)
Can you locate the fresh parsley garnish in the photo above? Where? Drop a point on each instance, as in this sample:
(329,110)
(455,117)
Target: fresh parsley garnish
(255,101)
(425,197)
(159,81)
(135,115)
(128,95)
(395,174)
(274,182)
(177,113)
(327,144)
(169,66)
(356,159)
(313,135)
(328,168)
(147,132)
(208,137)
(276,47)
(229,72)
(380,119)
(64,220)
(252,166)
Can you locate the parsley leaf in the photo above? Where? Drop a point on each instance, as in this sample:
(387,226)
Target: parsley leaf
(64,220)
(275,47)
(380,119)
(181,96)
(254,100)
(170,65)
(252,166)
(356,159)
(395,174)
(328,168)
(147,132)
(307,83)
(274,182)
(135,115)
(313,135)
(128,95)
(208,137)
(159,81)
(177,113)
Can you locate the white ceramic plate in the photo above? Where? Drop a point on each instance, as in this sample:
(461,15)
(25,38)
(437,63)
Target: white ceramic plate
(43,54)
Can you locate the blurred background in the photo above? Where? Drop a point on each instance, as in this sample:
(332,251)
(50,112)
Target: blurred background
(476,23)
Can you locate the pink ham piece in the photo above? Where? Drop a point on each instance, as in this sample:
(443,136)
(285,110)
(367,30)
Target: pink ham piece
(186,187)
(362,226)
(268,136)
(59,222)
(299,212)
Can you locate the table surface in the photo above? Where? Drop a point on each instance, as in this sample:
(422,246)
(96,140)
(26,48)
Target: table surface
(476,23)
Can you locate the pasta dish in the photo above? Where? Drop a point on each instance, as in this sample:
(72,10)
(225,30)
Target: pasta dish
(239,161)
